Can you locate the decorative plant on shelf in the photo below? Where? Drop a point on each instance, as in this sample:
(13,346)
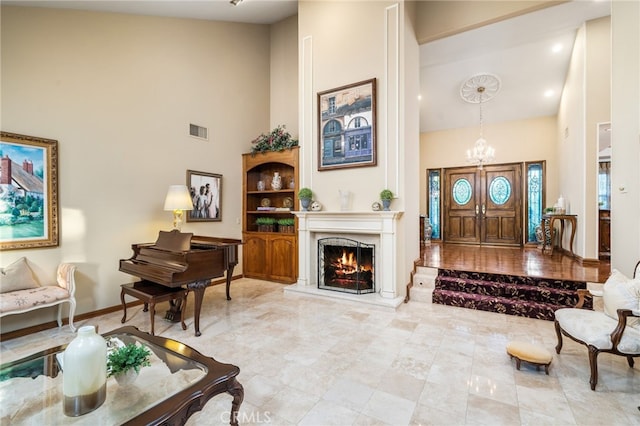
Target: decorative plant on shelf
(386,196)
(266,224)
(278,140)
(127,360)
(305,195)
(286,225)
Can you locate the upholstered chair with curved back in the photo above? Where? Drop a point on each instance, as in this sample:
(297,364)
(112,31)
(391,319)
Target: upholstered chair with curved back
(615,330)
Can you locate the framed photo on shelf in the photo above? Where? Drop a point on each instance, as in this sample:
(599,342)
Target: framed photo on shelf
(28,192)
(347,126)
(206,194)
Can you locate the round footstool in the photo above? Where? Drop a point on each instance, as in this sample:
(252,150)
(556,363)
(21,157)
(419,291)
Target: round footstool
(528,352)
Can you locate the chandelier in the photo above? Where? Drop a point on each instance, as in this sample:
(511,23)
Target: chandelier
(480,88)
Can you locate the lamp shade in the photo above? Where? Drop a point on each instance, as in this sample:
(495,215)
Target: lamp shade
(178,198)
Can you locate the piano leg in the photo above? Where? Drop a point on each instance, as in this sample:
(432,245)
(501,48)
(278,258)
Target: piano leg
(174,314)
(198,288)
(229,276)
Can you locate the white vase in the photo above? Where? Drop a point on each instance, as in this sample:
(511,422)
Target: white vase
(345,199)
(84,376)
(126,378)
(276,182)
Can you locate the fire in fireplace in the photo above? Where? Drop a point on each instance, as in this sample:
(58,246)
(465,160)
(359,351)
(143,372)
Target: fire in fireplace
(346,265)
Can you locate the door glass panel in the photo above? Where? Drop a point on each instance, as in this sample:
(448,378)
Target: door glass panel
(434,202)
(500,190)
(462,192)
(535,185)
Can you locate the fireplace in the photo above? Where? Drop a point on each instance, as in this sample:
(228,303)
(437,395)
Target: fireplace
(375,229)
(346,265)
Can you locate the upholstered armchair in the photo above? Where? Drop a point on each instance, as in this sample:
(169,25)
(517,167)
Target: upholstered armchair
(615,330)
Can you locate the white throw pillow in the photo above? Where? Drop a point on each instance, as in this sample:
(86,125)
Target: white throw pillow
(620,292)
(17,276)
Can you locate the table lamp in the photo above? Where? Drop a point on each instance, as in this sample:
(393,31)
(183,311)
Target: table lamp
(178,199)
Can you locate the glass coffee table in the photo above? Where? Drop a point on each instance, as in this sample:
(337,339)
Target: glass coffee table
(178,383)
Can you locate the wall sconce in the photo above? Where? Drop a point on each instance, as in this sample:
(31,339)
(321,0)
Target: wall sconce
(178,199)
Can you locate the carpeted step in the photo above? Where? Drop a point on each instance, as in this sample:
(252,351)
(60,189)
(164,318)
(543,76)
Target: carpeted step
(509,294)
(502,305)
(541,294)
(513,279)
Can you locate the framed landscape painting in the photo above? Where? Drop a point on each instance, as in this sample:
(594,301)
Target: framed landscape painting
(206,194)
(28,192)
(347,126)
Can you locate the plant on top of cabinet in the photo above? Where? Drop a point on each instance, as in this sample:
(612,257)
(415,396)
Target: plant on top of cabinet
(278,140)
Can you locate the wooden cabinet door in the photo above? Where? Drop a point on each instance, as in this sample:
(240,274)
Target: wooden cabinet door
(284,255)
(255,257)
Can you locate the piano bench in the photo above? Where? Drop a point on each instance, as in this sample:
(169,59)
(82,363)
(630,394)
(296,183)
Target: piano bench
(151,293)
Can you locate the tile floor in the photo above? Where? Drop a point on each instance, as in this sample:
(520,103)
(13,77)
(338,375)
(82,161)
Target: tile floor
(316,361)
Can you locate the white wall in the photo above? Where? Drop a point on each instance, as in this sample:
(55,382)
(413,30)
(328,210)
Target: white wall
(625,135)
(284,75)
(345,42)
(571,149)
(597,110)
(118,93)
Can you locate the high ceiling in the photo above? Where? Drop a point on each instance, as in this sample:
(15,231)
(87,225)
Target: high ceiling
(517,50)
(248,11)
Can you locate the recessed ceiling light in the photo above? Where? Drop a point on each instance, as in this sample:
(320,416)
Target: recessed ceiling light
(549,93)
(556,47)
(419,97)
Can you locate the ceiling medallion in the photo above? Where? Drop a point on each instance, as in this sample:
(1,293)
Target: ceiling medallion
(480,88)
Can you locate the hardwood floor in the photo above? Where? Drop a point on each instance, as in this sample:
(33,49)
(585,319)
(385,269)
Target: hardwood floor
(512,261)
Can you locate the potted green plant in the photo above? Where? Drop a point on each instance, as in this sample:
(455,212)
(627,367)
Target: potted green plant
(386,196)
(286,225)
(124,363)
(266,224)
(305,195)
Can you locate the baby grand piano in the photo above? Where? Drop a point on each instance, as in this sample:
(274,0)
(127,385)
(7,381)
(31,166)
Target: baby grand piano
(179,259)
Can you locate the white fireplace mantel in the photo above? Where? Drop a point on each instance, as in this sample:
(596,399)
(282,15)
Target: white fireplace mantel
(381,224)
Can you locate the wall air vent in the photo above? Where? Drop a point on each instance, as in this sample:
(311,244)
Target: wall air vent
(198,132)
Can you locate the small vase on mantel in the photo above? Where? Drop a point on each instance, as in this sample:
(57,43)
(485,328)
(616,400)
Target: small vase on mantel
(276,182)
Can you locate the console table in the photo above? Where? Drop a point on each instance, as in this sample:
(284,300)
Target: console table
(548,221)
(178,383)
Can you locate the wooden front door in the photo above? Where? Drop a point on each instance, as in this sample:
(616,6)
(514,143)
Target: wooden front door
(483,206)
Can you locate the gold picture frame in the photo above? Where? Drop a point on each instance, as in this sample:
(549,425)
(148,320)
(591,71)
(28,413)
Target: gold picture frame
(28,192)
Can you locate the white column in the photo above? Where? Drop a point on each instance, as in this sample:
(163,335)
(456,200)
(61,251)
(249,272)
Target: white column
(304,249)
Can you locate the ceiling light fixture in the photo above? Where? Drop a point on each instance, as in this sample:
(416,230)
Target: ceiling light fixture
(480,88)
(235,2)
